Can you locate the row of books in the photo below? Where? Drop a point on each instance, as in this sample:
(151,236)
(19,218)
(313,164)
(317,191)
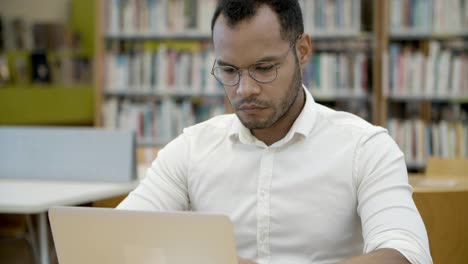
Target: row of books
(429,16)
(164,68)
(194,16)
(156,123)
(418,139)
(440,73)
(338,74)
(159,16)
(21,67)
(331,16)
(18,33)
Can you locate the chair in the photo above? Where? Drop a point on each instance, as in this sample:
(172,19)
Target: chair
(19,227)
(438,167)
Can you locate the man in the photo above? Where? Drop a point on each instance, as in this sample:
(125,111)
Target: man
(302,183)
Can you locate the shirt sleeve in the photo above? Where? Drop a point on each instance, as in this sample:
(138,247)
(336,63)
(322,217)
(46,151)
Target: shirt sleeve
(388,214)
(165,185)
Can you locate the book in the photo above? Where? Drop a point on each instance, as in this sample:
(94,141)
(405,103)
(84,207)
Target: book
(166,68)
(324,17)
(440,74)
(330,74)
(428,16)
(41,71)
(419,139)
(159,16)
(4,70)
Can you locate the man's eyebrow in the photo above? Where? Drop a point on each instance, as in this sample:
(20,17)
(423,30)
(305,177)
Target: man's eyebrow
(223,63)
(262,60)
(269,59)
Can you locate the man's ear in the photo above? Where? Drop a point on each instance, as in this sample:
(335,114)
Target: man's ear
(304,50)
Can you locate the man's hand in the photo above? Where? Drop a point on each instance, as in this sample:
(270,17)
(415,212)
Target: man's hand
(245,261)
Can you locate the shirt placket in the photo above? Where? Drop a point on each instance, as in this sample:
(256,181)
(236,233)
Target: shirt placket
(263,206)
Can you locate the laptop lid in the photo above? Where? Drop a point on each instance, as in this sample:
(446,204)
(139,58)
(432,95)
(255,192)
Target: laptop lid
(104,235)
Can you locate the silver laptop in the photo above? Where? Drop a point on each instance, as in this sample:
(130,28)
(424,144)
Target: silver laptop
(103,235)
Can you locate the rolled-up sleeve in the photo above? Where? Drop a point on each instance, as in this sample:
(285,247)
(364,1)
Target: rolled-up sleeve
(165,185)
(389,216)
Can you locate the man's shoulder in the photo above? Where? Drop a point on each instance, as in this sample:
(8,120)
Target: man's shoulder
(347,122)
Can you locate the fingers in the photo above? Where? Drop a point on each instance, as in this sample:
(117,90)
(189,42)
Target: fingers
(245,261)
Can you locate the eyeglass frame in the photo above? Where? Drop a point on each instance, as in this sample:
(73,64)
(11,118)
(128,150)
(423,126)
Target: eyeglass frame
(240,70)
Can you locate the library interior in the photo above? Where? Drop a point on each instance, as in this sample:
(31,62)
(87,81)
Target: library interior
(91,90)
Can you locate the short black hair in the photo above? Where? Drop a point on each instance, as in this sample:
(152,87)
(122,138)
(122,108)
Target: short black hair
(288,12)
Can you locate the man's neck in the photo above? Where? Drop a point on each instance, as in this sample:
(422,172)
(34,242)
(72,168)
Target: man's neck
(279,130)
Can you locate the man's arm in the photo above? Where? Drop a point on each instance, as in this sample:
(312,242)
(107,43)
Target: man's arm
(381,256)
(245,261)
(389,217)
(165,185)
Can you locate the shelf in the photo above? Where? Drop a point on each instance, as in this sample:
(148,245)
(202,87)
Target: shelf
(189,36)
(164,93)
(151,143)
(339,35)
(336,95)
(423,35)
(46,105)
(435,98)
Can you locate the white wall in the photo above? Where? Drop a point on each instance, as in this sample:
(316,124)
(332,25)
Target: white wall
(35,10)
(30,12)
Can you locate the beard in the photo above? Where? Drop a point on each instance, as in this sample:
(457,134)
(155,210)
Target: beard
(280,109)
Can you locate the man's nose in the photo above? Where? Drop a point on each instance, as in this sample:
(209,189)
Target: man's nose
(247,85)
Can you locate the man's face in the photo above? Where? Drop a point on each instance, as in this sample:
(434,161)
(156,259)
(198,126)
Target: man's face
(257,40)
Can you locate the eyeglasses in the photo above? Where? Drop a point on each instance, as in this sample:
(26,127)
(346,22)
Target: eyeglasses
(262,72)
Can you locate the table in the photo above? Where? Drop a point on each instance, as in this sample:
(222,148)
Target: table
(440,183)
(442,202)
(37,196)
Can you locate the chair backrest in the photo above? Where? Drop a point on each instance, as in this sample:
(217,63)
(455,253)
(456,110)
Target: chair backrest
(447,167)
(67,153)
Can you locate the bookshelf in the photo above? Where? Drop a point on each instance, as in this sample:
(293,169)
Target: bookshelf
(339,73)
(425,88)
(361,48)
(139,38)
(155,59)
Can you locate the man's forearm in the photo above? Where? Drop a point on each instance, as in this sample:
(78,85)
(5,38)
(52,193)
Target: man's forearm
(381,256)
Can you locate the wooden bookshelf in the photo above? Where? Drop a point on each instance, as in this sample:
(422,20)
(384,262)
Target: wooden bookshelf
(421,49)
(372,34)
(152,96)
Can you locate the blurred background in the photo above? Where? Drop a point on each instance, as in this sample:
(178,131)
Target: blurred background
(144,66)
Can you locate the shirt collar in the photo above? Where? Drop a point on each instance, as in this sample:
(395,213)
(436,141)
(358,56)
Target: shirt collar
(302,126)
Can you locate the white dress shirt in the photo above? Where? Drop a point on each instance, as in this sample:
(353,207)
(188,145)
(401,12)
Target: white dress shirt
(334,187)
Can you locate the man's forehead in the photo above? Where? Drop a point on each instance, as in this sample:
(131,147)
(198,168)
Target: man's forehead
(263,26)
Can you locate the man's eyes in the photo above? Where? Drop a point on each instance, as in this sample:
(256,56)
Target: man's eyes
(258,67)
(264,67)
(228,69)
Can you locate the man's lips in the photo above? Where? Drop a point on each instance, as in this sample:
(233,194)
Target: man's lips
(251,108)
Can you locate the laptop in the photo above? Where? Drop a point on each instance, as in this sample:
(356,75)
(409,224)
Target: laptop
(104,235)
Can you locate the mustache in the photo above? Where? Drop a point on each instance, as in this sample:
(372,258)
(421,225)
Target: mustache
(251,101)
